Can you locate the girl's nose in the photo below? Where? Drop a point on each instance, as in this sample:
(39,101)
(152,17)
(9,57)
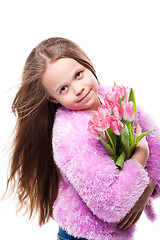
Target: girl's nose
(78,90)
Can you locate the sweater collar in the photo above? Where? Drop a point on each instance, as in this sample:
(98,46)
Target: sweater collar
(102,90)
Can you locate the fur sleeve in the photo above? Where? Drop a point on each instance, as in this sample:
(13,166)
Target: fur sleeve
(82,160)
(153,162)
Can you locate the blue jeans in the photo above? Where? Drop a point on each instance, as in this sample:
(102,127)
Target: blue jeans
(63,235)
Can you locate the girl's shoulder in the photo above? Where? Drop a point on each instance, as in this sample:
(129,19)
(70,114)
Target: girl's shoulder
(71,122)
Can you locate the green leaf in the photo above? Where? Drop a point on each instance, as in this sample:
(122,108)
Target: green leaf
(133,146)
(111,109)
(108,148)
(142,135)
(132,98)
(123,97)
(114,83)
(120,100)
(111,138)
(120,160)
(125,139)
(131,133)
(131,149)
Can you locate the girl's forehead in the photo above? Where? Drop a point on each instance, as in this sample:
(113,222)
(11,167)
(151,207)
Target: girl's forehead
(60,70)
(64,63)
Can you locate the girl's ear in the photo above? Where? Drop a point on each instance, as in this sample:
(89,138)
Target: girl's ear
(52,100)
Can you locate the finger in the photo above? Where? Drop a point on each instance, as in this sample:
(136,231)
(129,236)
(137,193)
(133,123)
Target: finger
(121,220)
(138,217)
(130,221)
(124,220)
(138,130)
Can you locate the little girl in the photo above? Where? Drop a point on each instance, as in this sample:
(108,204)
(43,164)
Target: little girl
(58,169)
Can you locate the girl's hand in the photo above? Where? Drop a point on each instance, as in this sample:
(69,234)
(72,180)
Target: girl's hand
(142,151)
(135,213)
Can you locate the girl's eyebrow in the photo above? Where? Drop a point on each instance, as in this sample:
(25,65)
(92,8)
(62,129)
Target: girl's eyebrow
(74,73)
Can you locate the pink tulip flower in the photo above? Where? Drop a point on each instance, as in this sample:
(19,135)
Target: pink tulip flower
(117,111)
(92,129)
(104,111)
(100,121)
(116,125)
(120,89)
(127,111)
(127,93)
(112,98)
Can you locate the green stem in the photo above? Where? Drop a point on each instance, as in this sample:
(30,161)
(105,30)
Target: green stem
(110,139)
(130,130)
(106,146)
(131,133)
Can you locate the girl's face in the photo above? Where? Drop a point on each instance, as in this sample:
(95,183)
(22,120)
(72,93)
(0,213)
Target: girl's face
(71,84)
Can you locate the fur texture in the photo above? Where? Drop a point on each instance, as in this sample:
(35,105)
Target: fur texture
(94,195)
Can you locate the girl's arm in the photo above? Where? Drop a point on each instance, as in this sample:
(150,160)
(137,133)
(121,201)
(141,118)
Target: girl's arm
(133,216)
(141,155)
(148,155)
(152,165)
(108,192)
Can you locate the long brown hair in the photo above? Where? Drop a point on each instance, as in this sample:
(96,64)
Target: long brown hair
(33,173)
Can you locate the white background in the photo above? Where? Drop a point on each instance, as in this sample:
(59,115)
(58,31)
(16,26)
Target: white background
(122,38)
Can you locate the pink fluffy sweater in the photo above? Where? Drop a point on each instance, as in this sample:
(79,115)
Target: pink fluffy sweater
(93,194)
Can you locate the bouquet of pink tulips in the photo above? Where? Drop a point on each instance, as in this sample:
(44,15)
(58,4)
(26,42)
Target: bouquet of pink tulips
(113,124)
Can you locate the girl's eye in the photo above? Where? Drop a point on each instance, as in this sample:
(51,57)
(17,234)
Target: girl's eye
(79,74)
(63,89)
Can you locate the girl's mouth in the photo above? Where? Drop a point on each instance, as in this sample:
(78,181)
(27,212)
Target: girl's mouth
(84,98)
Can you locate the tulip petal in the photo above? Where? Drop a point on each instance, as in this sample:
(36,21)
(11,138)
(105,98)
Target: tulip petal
(132,98)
